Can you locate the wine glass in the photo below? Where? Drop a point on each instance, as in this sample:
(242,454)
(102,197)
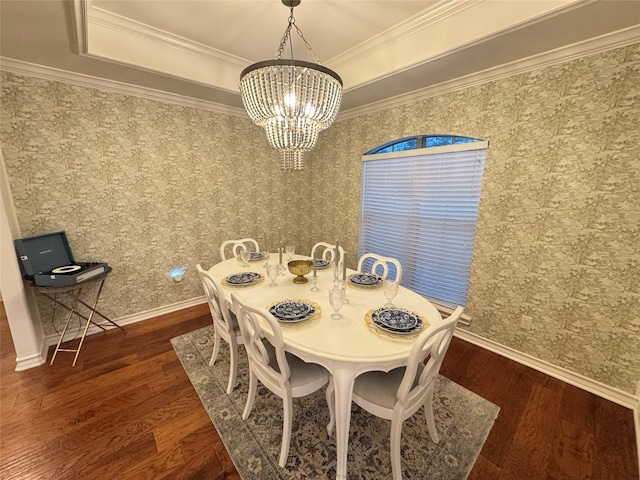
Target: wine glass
(390,290)
(336,299)
(272,272)
(245,256)
(290,250)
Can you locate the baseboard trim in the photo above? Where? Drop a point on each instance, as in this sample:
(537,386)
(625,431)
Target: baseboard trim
(33,361)
(605,391)
(52,339)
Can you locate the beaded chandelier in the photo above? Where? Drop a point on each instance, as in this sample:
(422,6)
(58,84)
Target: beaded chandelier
(291,99)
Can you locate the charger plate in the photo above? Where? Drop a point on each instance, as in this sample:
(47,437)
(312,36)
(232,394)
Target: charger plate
(321,264)
(373,321)
(294,310)
(243,279)
(365,280)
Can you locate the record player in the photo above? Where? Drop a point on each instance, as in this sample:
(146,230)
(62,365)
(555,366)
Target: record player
(47,261)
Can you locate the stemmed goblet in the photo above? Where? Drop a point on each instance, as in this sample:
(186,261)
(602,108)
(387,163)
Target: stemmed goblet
(390,290)
(290,250)
(245,256)
(336,299)
(272,272)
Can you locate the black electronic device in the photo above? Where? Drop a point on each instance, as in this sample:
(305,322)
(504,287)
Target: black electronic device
(47,261)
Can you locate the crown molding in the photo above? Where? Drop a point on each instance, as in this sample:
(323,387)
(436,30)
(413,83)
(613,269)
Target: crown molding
(619,39)
(161,38)
(441,31)
(589,47)
(112,37)
(112,86)
(402,31)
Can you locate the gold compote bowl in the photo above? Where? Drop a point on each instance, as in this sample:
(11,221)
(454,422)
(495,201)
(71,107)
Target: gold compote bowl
(300,268)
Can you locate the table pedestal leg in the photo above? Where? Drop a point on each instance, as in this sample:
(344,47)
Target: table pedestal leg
(343,378)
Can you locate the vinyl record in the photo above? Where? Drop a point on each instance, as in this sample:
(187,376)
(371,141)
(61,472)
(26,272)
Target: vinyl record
(66,269)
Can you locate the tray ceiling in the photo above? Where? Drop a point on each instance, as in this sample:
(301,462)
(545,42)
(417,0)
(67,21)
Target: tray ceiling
(381,48)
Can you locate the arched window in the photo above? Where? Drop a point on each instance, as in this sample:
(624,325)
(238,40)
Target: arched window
(420,198)
(421,141)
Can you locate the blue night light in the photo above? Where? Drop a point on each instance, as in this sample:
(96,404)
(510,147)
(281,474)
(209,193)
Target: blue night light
(177,274)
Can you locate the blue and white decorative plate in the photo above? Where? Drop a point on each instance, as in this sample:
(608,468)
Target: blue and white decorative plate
(244,278)
(255,256)
(320,263)
(365,280)
(397,320)
(292,310)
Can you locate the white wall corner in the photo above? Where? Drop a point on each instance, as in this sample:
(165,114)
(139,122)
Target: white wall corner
(23,317)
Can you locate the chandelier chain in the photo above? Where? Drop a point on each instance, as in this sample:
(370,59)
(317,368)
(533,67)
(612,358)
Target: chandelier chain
(287,36)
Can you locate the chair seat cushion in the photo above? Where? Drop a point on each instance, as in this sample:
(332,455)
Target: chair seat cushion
(381,388)
(301,372)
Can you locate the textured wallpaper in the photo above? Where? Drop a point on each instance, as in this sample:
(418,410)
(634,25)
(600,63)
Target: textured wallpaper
(558,235)
(142,185)
(147,186)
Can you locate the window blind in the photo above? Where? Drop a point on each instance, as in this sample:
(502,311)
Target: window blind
(421,207)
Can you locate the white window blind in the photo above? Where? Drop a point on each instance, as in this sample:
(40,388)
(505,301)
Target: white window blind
(421,206)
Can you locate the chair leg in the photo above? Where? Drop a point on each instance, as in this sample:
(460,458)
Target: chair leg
(330,395)
(233,368)
(286,430)
(396,467)
(428,413)
(216,347)
(253,385)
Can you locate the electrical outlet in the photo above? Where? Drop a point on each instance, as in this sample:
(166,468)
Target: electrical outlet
(525,323)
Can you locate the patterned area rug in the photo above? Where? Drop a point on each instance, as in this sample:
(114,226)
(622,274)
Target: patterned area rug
(463,420)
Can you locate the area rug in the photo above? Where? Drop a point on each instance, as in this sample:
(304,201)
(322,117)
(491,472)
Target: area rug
(463,420)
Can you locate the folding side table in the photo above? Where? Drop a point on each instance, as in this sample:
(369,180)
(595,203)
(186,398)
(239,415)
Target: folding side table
(75,292)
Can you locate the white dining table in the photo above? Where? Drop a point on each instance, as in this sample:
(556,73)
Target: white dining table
(346,347)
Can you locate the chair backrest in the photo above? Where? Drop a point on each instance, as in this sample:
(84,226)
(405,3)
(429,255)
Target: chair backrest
(237,246)
(258,341)
(431,344)
(380,265)
(217,302)
(328,251)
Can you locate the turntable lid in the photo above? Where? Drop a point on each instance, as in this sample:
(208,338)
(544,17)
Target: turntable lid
(43,253)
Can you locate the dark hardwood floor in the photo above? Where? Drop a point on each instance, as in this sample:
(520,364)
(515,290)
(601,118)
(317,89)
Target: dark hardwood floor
(128,411)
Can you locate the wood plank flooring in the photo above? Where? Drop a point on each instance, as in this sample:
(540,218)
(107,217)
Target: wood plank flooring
(128,411)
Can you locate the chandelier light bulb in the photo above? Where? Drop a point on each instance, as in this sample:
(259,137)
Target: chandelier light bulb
(290,100)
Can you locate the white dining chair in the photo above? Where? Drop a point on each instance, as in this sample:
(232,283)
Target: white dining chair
(378,262)
(237,246)
(225,324)
(398,394)
(328,251)
(284,374)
